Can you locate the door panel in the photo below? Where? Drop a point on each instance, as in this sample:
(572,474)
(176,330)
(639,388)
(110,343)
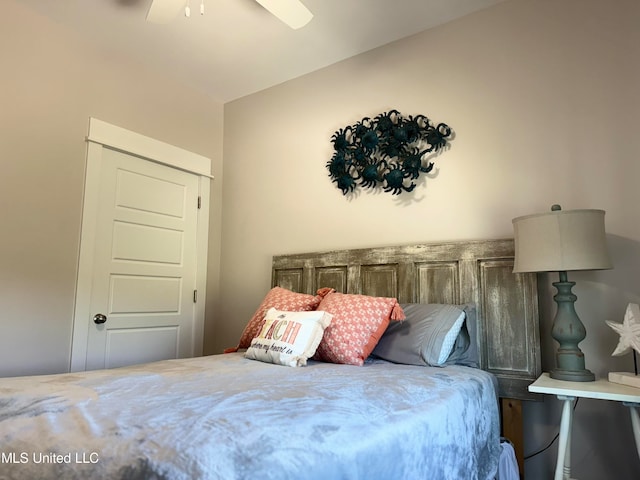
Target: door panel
(131,346)
(137,294)
(144,243)
(140,192)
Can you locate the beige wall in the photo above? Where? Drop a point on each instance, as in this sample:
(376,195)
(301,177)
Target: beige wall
(51,84)
(543,97)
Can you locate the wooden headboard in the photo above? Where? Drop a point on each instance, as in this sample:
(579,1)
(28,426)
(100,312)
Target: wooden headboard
(456,272)
(478,272)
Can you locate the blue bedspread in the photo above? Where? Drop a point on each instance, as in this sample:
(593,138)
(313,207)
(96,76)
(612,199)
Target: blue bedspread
(227,417)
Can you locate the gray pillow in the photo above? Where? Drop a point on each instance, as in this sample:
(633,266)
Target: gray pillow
(429,335)
(465,349)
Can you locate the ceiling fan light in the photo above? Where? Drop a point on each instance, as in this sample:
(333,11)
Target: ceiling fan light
(291,12)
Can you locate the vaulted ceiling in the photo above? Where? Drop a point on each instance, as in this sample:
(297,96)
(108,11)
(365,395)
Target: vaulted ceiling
(237,47)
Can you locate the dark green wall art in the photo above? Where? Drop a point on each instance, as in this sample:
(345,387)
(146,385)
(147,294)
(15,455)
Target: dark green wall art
(388,151)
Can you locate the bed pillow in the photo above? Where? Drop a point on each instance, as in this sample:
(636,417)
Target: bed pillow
(426,337)
(281,299)
(358,323)
(465,348)
(288,338)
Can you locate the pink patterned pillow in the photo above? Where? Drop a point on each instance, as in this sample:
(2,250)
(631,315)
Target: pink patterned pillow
(280,299)
(358,323)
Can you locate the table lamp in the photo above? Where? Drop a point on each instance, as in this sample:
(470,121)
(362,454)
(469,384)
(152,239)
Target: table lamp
(562,241)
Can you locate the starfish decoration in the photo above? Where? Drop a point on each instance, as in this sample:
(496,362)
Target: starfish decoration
(629,330)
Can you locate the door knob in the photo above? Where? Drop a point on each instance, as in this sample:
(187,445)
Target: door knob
(99,318)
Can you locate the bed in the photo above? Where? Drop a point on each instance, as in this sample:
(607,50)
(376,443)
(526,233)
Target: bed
(232,417)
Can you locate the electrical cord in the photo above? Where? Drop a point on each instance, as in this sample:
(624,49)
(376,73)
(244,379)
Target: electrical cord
(527,457)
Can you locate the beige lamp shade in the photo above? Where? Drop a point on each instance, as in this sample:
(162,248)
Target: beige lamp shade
(561,240)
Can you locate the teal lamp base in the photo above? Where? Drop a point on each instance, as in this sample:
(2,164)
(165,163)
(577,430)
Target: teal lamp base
(573,376)
(568,331)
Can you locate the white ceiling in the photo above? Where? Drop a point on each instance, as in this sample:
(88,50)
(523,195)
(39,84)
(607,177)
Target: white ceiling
(237,47)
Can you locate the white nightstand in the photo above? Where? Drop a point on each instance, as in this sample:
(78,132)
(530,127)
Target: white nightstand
(568,392)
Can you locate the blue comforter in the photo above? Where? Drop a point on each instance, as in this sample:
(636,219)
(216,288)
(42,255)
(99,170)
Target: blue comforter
(227,417)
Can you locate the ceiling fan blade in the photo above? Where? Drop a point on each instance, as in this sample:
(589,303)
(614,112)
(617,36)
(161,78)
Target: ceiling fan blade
(291,12)
(163,11)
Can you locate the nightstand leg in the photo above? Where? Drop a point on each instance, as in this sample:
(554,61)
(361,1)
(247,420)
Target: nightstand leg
(563,464)
(635,422)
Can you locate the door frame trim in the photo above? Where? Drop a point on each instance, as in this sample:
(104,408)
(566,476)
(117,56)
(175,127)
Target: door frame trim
(149,148)
(102,134)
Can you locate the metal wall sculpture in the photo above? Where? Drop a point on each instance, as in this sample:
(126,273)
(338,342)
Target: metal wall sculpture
(388,151)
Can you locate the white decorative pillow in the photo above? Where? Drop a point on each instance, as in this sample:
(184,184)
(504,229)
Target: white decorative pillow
(279,298)
(288,338)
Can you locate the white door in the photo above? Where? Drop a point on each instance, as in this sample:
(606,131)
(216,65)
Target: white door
(137,292)
(145,263)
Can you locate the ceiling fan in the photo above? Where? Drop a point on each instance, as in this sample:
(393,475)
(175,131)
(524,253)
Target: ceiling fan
(291,12)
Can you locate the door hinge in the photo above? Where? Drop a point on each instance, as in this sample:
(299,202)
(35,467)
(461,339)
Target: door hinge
(195,296)
(199,202)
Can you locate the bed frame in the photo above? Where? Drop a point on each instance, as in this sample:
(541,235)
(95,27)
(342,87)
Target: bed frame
(478,272)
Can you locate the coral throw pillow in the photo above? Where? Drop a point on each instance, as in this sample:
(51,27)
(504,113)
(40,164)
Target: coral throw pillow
(280,299)
(358,323)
